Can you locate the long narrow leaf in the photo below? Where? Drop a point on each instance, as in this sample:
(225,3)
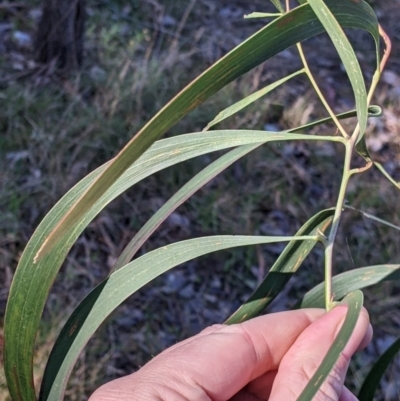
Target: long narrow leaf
(278,5)
(352,280)
(266,43)
(354,302)
(372,217)
(387,175)
(230,111)
(100,302)
(362,149)
(285,266)
(371,382)
(32,282)
(373,111)
(347,56)
(192,186)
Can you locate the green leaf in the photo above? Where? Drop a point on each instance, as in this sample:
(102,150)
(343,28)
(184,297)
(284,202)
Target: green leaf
(372,217)
(354,302)
(371,382)
(197,182)
(278,5)
(347,56)
(264,44)
(373,111)
(285,266)
(387,175)
(262,15)
(230,111)
(101,301)
(352,280)
(32,281)
(362,149)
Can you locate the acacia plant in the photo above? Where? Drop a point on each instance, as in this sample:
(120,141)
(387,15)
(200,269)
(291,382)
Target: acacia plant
(146,154)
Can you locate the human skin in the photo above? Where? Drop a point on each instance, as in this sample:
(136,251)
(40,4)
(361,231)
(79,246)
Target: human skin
(270,357)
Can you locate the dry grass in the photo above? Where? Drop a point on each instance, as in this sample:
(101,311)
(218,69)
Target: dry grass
(57,129)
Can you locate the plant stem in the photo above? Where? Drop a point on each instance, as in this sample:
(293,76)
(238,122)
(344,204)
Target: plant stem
(350,142)
(334,229)
(319,93)
(347,173)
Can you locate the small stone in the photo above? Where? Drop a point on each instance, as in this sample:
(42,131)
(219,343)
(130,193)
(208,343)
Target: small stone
(390,78)
(175,281)
(97,73)
(271,128)
(211,298)
(216,283)
(178,220)
(35,14)
(22,39)
(187,292)
(167,20)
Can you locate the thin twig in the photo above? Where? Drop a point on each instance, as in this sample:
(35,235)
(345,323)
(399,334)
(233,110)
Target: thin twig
(319,93)
(174,46)
(359,170)
(388,47)
(378,72)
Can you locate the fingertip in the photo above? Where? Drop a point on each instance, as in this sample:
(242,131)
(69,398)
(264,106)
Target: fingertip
(307,353)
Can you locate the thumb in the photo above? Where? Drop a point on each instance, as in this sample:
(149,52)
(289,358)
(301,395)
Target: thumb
(306,355)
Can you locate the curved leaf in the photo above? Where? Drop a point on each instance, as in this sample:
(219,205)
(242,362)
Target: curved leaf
(101,301)
(347,56)
(285,266)
(263,45)
(371,382)
(354,302)
(387,175)
(193,185)
(362,150)
(235,108)
(352,280)
(32,282)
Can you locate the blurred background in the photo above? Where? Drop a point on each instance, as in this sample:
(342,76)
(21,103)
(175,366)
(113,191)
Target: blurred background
(74,90)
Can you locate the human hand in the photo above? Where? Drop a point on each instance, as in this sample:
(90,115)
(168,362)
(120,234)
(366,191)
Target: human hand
(271,357)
